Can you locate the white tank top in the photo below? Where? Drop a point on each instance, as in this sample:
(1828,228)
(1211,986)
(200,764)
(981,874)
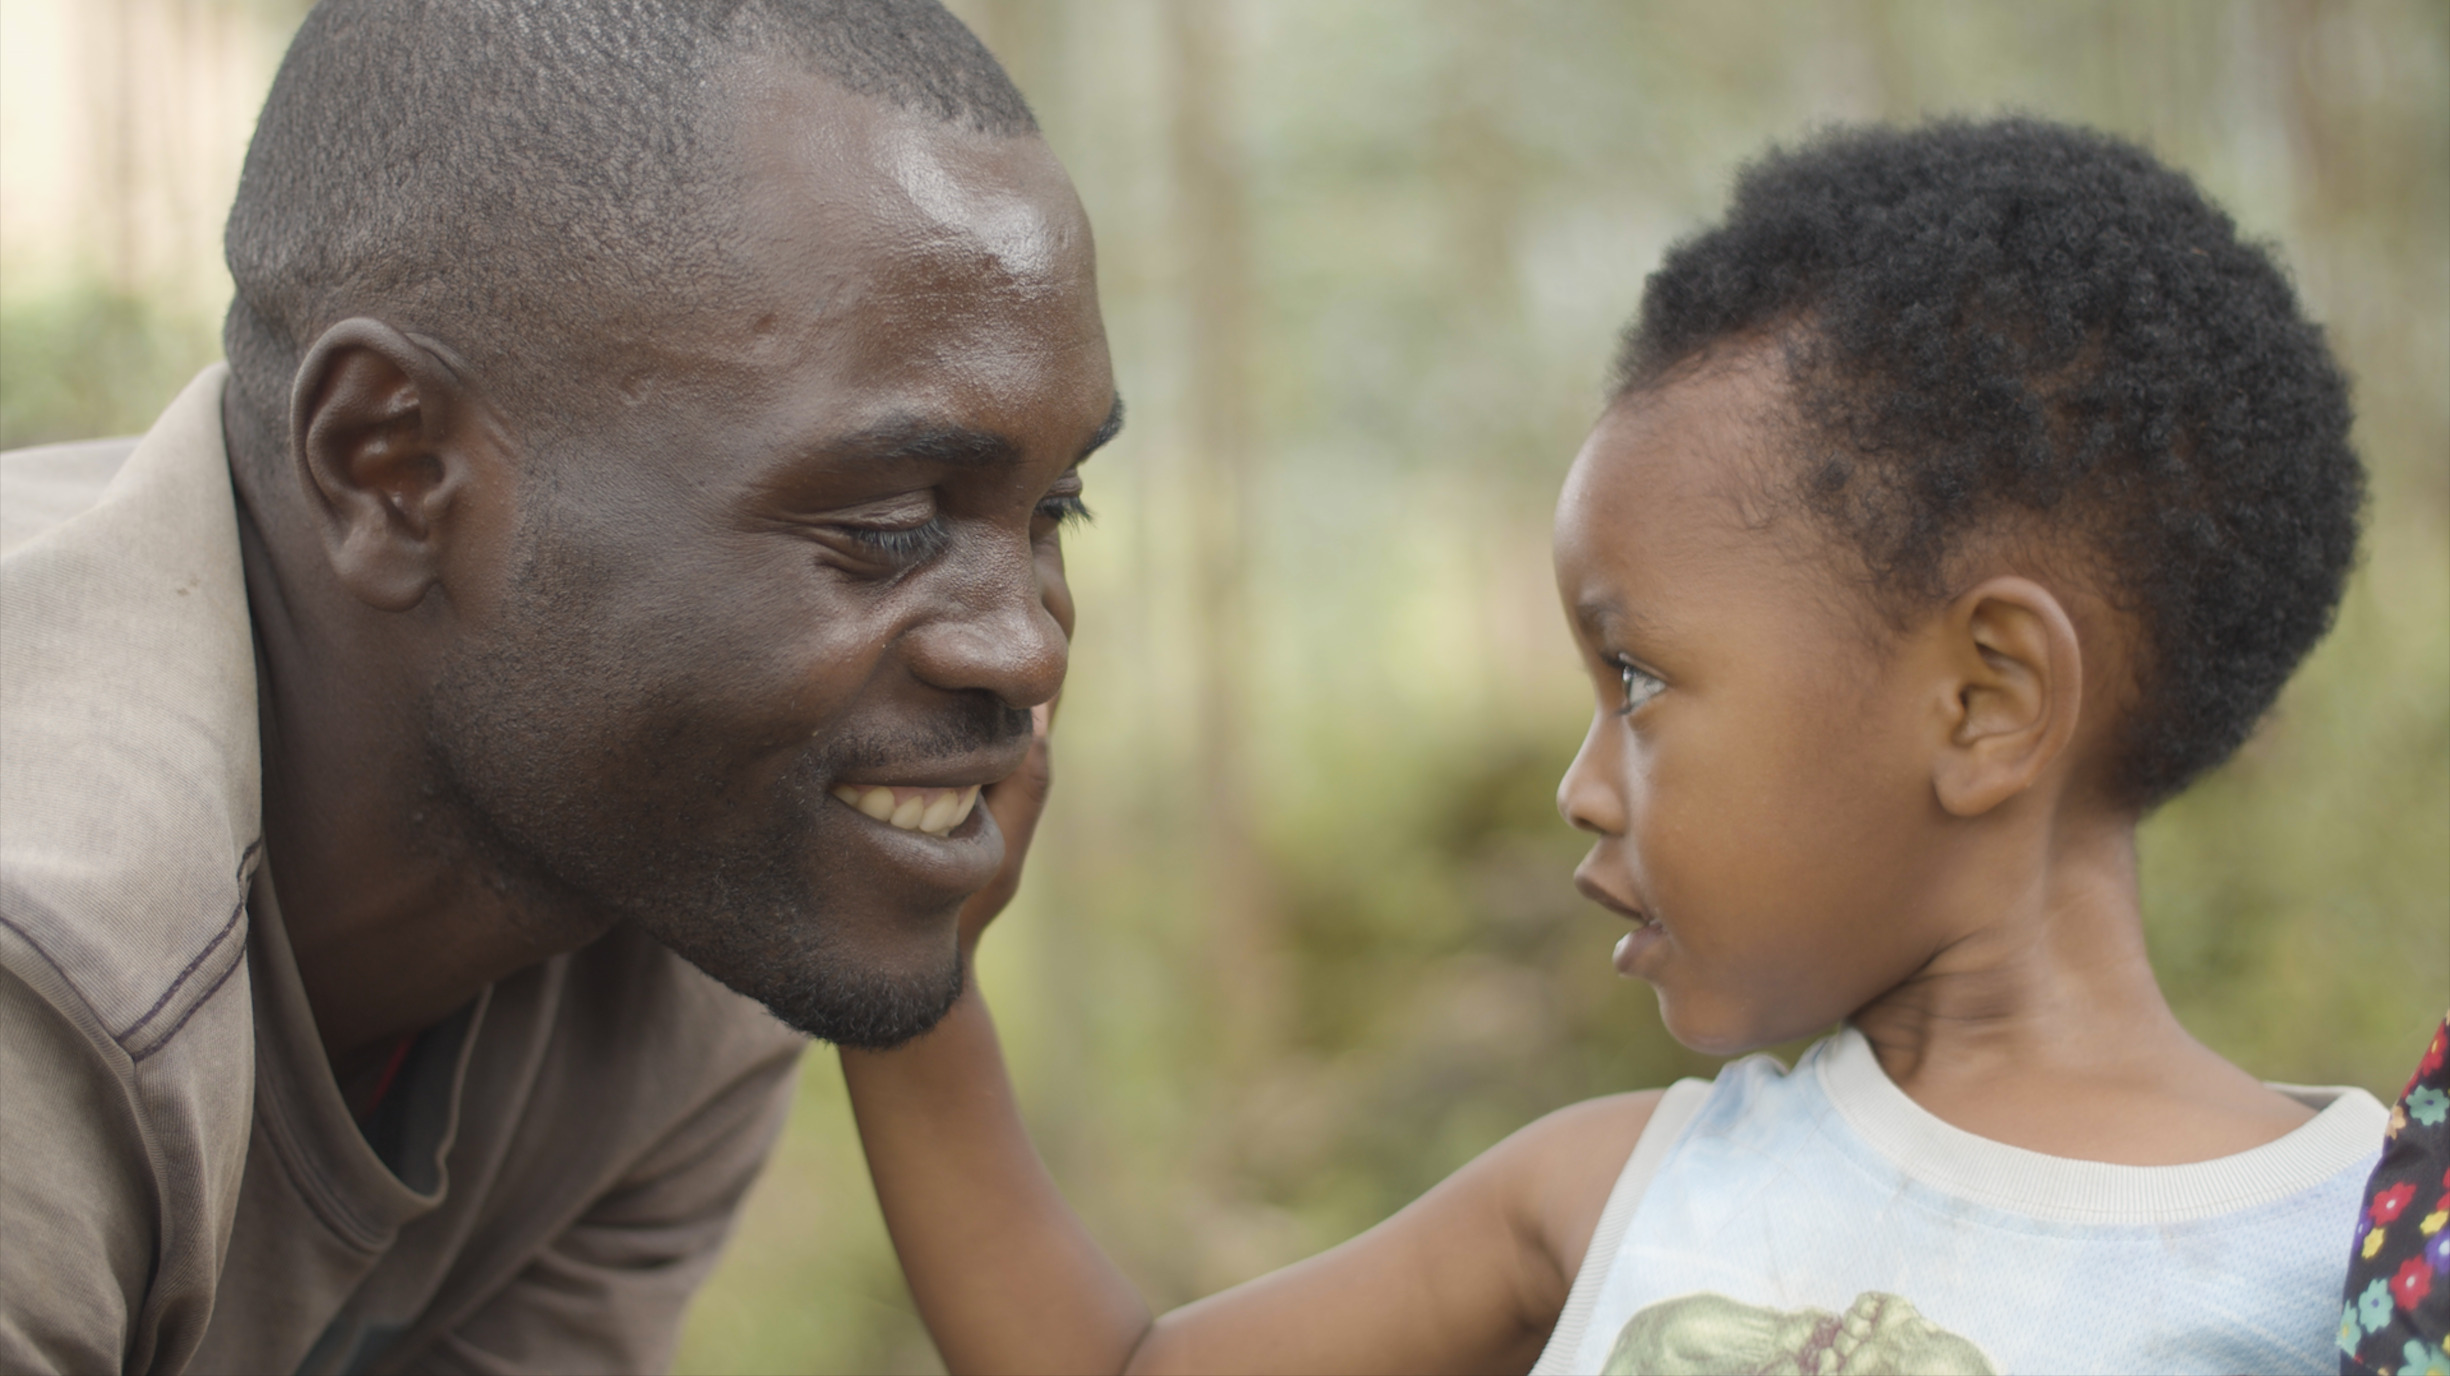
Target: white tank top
(1820,1221)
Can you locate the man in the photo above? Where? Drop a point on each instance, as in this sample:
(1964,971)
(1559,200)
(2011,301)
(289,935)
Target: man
(622,545)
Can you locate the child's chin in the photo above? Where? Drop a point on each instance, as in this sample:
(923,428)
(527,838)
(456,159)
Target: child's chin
(1716,1028)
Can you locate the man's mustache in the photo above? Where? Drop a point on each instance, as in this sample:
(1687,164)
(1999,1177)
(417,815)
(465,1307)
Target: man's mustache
(977,723)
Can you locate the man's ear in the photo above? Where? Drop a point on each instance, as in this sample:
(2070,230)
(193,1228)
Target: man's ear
(392,444)
(2016,691)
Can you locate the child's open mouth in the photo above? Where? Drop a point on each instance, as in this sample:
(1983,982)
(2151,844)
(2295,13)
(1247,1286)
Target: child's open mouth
(1633,945)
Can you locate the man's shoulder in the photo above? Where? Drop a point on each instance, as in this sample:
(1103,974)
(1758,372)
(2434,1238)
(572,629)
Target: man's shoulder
(129,760)
(126,992)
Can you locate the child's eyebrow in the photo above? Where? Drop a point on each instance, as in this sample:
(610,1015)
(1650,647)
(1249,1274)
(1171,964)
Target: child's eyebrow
(1606,618)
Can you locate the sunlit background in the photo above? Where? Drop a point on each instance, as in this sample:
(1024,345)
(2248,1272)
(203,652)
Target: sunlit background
(1299,938)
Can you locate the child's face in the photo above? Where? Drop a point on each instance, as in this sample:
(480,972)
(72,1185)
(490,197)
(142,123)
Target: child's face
(1764,810)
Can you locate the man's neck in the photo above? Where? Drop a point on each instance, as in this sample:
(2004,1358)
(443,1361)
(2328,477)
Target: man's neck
(393,923)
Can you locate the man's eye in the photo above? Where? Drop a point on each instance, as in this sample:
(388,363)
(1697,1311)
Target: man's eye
(1062,504)
(1065,509)
(902,545)
(1640,687)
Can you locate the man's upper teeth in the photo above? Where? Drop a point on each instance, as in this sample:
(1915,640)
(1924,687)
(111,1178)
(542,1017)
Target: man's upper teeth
(935,811)
(939,814)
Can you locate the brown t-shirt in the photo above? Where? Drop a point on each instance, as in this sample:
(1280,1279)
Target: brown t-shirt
(181,1185)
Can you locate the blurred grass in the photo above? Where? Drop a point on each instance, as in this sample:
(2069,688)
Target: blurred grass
(80,360)
(1450,207)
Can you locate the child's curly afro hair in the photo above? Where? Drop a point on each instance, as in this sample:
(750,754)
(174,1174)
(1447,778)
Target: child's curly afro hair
(2018,327)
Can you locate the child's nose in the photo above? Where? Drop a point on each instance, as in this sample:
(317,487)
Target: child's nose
(1587,796)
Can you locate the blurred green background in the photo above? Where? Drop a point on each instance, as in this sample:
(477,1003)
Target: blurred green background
(1299,937)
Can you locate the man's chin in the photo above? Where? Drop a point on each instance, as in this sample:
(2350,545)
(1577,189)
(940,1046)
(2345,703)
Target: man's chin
(836,996)
(872,1015)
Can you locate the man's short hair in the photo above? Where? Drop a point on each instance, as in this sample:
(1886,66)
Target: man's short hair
(2019,328)
(533,181)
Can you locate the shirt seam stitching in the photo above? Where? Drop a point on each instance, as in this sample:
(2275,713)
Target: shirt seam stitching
(246,862)
(237,959)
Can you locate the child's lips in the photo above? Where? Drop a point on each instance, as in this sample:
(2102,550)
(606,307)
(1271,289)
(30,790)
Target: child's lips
(1646,932)
(1591,890)
(1634,945)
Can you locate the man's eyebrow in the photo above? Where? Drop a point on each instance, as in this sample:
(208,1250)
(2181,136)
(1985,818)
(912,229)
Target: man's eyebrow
(906,440)
(910,440)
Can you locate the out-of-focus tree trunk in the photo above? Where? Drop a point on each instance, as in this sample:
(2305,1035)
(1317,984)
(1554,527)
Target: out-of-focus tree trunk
(2325,111)
(1484,178)
(1888,61)
(111,86)
(2369,234)
(1214,233)
(151,124)
(1483,172)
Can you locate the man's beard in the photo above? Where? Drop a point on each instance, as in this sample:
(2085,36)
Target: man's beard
(573,845)
(749,916)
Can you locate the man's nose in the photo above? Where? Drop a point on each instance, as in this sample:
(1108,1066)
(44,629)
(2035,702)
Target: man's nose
(994,633)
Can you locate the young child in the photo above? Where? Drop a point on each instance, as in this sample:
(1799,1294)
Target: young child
(1967,493)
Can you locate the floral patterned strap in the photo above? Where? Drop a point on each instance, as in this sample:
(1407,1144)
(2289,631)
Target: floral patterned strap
(2397,1318)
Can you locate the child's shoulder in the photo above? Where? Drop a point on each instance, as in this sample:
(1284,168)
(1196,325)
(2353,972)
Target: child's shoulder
(1571,1157)
(1599,1135)
(1555,1173)
(1566,1164)
(1563,1171)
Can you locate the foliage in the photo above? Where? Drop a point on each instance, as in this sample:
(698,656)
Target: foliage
(83,360)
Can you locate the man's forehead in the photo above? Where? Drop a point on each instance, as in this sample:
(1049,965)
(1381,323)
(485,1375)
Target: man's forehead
(880,236)
(872,175)
(895,284)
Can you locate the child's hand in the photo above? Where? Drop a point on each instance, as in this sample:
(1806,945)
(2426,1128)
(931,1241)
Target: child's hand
(1015,803)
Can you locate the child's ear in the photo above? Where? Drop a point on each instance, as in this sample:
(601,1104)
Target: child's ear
(2016,689)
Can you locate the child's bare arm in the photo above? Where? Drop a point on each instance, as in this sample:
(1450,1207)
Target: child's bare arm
(1004,1275)
(1470,1277)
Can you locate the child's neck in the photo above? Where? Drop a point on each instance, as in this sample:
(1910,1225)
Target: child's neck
(2044,1028)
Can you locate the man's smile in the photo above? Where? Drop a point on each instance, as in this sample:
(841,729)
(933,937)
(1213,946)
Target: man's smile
(932,834)
(912,807)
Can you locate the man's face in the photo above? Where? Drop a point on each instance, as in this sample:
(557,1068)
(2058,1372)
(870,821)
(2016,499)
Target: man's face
(814,555)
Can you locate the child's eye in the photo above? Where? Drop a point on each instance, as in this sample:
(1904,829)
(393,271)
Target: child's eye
(1640,687)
